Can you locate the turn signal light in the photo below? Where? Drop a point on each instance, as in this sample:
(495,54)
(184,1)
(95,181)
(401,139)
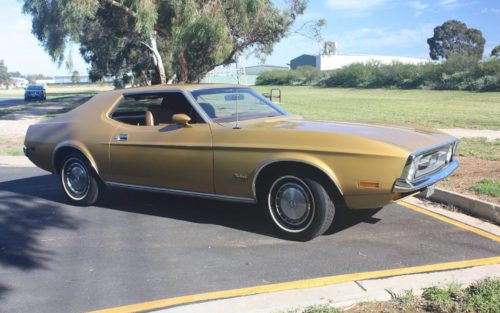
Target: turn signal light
(368,185)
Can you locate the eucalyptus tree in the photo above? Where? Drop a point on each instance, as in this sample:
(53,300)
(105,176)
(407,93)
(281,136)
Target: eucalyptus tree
(454,37)
(162,39)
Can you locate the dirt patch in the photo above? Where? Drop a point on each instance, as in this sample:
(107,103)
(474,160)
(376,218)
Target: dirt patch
(472,170)
(13,126)
(12,135)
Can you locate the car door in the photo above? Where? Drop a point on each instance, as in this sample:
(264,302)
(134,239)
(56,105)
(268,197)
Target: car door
(163,156)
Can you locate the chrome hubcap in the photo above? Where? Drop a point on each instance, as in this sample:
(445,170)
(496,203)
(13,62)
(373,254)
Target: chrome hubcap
(292,203)
(76,179)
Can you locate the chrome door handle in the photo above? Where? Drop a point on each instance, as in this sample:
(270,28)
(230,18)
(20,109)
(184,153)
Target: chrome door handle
(121,137)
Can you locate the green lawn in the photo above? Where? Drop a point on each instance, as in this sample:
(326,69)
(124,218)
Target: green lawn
(435,108)
(479,148)
(486,187)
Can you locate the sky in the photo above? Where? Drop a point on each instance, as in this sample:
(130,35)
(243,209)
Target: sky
(367,27)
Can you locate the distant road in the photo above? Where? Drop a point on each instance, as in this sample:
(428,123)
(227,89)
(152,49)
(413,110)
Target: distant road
(10,102)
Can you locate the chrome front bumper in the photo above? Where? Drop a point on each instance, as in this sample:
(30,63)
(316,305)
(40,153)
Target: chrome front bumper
(404,186)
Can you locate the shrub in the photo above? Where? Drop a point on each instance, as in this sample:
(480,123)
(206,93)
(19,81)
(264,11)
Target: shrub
(303,75)
(275,77)
(457,73)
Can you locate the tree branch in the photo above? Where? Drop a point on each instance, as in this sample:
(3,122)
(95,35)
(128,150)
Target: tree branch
(132,13)
(123,7)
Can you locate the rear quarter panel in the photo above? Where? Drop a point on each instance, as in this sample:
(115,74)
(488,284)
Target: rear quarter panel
(85,128)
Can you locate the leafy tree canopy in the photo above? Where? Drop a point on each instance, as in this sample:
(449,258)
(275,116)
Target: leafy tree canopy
(153,39)
(454,37)
(495,53)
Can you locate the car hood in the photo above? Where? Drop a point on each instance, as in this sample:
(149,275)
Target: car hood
(407,137)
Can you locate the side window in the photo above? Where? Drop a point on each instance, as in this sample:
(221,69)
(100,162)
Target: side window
(132,110)
(154,109)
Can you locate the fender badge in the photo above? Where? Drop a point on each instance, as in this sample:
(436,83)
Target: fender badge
(239,176)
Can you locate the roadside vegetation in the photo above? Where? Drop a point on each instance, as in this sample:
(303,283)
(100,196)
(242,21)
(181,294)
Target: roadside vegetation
(479,148)
(486,187)
(480,297)
(458,72)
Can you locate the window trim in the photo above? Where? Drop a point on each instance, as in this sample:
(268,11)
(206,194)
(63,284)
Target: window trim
(257,94)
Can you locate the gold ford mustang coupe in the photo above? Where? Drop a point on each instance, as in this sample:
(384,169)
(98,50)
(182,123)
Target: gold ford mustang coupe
(230,143)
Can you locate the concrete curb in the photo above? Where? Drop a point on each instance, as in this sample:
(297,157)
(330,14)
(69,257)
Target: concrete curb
(343,295)
(471,205)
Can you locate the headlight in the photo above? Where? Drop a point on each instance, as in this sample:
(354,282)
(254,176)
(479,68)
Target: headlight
(428,162)
(449,155)
(410,169)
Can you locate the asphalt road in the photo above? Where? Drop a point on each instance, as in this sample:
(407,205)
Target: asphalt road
(136,246)
(10,102)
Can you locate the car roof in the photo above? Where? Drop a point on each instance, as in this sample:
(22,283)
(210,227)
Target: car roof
(182,87)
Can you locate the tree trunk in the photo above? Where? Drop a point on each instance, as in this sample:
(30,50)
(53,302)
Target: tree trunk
(158,60)
(184,67)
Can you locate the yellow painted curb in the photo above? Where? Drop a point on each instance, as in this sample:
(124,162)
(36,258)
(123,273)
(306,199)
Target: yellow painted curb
(299,284)
(451,221)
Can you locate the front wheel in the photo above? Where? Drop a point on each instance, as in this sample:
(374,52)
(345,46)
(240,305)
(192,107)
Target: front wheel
(298,206)
(79,181)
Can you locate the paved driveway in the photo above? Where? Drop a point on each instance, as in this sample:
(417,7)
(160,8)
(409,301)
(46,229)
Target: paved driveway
(137,246)
(10,102)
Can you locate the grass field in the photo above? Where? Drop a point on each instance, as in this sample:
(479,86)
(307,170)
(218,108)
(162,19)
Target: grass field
(480,148)
(439,109)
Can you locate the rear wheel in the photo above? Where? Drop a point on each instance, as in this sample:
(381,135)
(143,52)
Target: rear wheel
(79,181)
(298,205)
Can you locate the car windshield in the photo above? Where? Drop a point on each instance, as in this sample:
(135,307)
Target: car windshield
(34,87)
(229,104)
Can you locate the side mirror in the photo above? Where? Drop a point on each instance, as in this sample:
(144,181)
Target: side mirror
(181,119)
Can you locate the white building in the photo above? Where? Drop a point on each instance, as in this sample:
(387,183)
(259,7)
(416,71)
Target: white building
(68,79)
(45,82)
(325,62)
(19,82)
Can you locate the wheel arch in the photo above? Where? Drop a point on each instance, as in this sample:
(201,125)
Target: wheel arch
(266,168)
(66,147)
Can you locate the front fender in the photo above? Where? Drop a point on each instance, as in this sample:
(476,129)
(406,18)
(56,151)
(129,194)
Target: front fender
(302,158)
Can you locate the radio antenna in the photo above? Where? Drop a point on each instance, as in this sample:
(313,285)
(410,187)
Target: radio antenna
(237,126)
